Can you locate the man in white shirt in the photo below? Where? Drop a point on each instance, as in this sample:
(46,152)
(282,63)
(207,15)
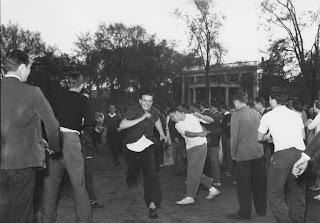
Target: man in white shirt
(287,132)
(189,127)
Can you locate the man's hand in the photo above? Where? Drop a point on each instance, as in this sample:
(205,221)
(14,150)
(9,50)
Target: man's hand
(197,114)
(146,115)
(300,166)
(46,146)
(163,137)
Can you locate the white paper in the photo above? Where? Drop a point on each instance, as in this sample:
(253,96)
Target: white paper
(140,145)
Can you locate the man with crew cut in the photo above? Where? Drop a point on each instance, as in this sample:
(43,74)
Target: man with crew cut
(70,108)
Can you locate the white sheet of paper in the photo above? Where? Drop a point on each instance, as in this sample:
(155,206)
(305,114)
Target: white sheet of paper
(140,145)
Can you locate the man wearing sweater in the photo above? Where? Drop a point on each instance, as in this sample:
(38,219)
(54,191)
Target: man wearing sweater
(248,153)
(111,122)
(69,108)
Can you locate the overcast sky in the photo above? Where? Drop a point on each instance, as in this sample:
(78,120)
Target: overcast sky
(60,21)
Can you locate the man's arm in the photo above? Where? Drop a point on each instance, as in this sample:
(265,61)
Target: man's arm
(234,134)
(88,115)
(196,134)
(160,129)
(263,136)
(204,117)
(46,115)
(312,148)
(125,124)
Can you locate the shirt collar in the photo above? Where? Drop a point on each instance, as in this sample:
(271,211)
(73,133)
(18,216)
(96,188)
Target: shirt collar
(12,75)
(226,113)
(112,115)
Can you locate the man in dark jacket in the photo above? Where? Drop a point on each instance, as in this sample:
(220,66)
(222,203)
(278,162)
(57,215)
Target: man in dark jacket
(22,147)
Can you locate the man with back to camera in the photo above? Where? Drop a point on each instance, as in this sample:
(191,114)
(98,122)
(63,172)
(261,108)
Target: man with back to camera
(287,130)
(22,148)
(248,153)
(70,108)
(139,121)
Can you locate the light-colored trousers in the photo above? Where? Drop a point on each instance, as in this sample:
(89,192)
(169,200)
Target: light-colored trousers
(196,157)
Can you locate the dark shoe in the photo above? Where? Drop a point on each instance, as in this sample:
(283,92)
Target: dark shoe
(96,205)
(153,213)
(261,213)
(117,163)
(237,217)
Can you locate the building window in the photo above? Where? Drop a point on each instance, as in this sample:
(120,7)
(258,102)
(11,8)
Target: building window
(233,78)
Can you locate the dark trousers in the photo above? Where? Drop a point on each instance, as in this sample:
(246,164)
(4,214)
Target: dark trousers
(96,139)
(114,143)
(251,184)
(88,175)
(16,195)
(158,153)
(227,153)
(151,184)
(286,194)
(268,151)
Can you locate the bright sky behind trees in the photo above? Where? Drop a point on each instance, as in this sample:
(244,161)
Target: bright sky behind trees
(60,21)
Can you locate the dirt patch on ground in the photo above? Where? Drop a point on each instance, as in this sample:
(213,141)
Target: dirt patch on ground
(123,205)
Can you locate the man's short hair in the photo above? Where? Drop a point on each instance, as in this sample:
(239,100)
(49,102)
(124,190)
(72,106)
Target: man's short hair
(261,101)
(225,107)
(14,59)
(75,79)
(146,92)
(173,110)
(279,94)
(204,104)
(215,105)
(297,106)
(241,96)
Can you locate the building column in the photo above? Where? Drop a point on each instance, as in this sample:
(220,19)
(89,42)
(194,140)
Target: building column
(183,96)
(194,95)
(189,96)
(209,95)
(227,96)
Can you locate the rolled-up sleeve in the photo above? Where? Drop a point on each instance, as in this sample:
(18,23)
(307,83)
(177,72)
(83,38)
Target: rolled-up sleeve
(263,127)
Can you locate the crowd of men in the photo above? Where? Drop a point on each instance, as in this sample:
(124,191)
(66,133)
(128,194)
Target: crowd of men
(264,148)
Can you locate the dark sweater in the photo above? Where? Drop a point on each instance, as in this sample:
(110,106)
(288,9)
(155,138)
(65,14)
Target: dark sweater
(70,107)
(112,123)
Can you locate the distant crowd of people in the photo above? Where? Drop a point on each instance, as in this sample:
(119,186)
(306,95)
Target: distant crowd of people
(264,148)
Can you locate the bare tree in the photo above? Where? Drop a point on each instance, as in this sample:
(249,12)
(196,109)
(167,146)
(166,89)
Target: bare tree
(283,14)
(204,29)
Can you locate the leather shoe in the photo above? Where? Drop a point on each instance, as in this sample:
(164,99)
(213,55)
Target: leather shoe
(153,213)
(186,200)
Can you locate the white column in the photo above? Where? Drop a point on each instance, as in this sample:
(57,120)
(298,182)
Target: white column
(194,95)
(189,96)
